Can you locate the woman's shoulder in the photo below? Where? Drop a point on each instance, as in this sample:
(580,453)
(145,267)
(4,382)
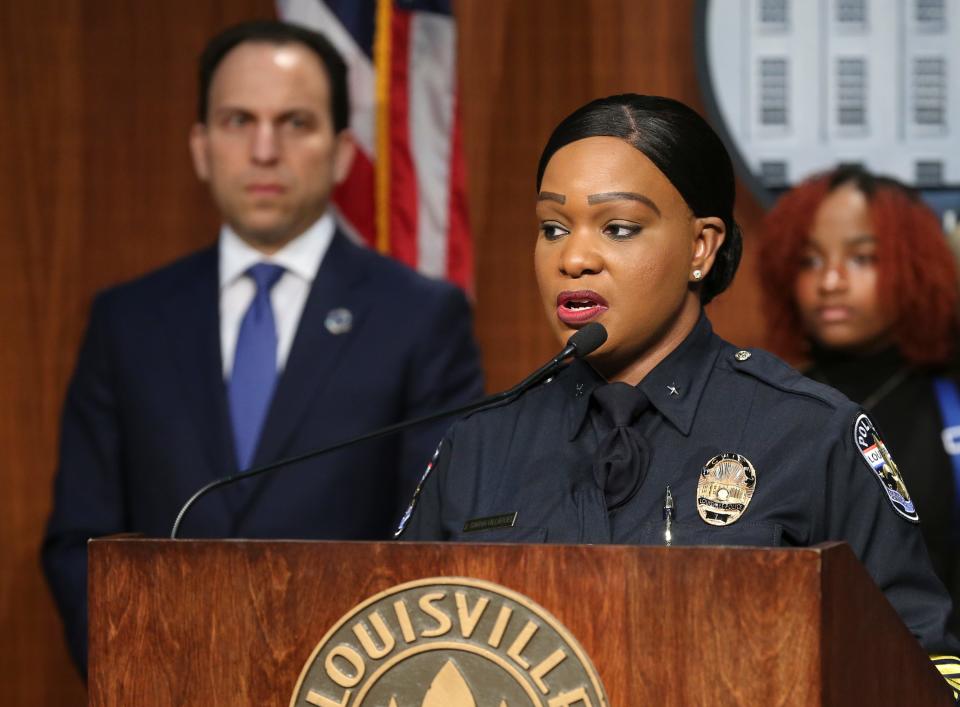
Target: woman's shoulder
(778,376)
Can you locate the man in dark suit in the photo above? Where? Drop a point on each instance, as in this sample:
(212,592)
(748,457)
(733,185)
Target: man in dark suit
(282,338)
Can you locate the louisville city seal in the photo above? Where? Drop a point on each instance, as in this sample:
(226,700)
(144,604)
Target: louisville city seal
(448,642)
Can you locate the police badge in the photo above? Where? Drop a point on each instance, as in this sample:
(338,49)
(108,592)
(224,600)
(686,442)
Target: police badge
(726,485)
(875,453)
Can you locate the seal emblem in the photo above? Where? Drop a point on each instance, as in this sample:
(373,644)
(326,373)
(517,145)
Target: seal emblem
(726,485)
(448,642)
(339,321)
(875,453)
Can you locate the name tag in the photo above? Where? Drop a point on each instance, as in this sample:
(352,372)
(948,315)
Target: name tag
(504,520)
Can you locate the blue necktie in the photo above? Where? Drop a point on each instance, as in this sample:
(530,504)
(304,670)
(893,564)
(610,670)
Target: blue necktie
(254,373)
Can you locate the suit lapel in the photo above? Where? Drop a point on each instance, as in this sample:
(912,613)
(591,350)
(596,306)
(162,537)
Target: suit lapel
(316,351)
(191,314)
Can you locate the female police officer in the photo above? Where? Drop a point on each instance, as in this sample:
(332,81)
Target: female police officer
(635,205)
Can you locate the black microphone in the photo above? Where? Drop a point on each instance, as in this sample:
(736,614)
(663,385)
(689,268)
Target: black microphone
(582,343)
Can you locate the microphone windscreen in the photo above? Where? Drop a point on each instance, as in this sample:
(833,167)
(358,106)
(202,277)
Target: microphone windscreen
(588,339)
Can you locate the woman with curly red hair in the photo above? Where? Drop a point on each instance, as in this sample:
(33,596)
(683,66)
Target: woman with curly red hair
(859,280)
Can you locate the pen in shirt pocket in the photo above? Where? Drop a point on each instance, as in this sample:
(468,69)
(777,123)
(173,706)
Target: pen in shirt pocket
(668,515)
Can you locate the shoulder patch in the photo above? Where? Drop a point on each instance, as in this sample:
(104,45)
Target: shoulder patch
(875,454)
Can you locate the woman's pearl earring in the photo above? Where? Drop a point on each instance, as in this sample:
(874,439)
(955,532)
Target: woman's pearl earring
(697,274)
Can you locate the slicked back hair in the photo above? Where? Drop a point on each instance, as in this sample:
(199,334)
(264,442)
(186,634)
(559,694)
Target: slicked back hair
(683,146)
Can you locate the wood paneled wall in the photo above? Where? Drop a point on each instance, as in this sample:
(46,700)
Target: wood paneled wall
(96,187)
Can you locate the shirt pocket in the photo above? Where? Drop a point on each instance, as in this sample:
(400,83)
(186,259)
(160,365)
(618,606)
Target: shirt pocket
(515,534)
(692,533)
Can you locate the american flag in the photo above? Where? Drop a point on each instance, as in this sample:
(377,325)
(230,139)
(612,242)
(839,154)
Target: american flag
(406,193)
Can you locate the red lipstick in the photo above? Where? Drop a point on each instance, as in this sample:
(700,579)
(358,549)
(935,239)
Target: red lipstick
(578,307)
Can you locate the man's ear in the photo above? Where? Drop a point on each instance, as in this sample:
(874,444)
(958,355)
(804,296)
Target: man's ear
(344,152)
(200,151)
(711,232)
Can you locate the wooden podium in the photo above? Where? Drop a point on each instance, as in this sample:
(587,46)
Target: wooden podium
(233,622)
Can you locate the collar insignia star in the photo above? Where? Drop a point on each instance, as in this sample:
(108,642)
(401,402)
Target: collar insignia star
(674,390)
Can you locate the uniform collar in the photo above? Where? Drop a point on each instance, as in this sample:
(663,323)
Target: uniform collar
(685,370)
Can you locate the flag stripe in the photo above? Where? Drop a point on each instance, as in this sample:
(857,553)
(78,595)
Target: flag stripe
(404,190)
(431,71)
(352,198)
(459,245)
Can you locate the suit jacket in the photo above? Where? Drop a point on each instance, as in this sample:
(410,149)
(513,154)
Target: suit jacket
(146,422)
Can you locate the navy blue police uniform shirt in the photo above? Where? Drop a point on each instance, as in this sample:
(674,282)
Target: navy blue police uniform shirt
(534,456)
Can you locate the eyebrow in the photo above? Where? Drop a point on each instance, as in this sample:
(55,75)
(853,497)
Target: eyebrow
(229,109)
(551,196)
(620,195)
(863,239)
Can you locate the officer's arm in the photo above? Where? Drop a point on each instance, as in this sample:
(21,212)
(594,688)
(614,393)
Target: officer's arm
(444,372)
(880,524)
(87,498)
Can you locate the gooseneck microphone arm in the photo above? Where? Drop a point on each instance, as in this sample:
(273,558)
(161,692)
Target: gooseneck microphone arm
(583,342)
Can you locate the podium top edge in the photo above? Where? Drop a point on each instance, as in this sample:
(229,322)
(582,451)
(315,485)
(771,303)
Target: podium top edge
(135,539)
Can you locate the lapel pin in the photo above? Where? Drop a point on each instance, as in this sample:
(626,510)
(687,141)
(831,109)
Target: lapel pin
(674,390)
(338,321)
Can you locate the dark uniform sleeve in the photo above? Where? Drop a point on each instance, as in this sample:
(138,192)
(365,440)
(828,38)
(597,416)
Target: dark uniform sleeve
(88,489)
(890,546)
(444,373)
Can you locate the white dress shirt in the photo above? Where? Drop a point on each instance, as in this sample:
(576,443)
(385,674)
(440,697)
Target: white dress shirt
(301,259)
